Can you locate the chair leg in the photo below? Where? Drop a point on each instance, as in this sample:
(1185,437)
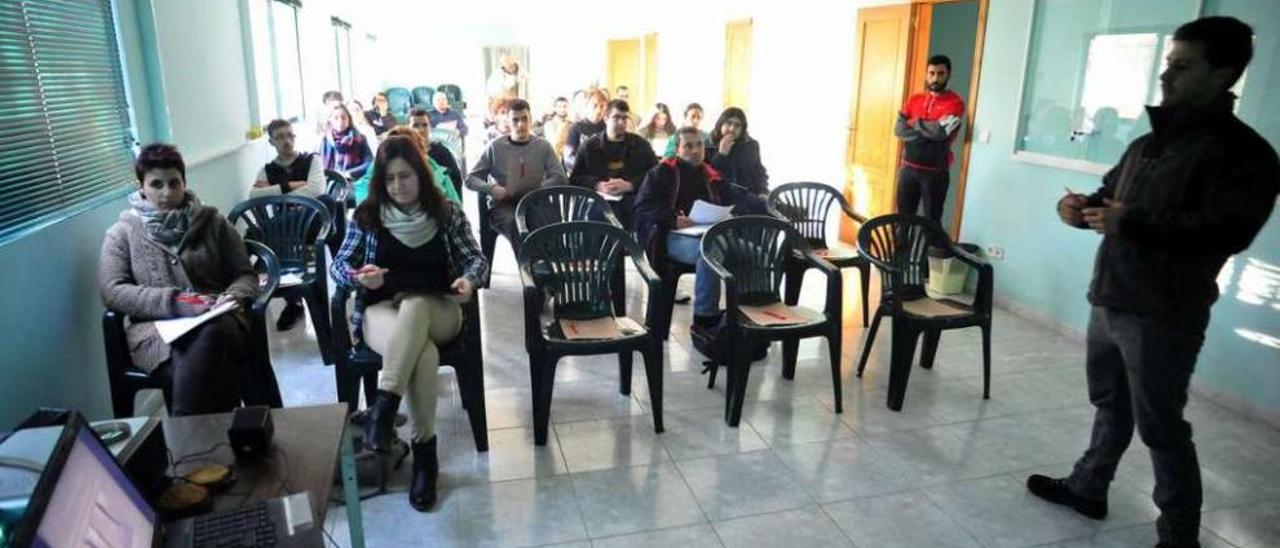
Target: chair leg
(901,356)
(625,359)
(711,375)
(864,278)
(653,374)
(871,339)
(260,386)
(986,360)
(620,289)
(348,384)
(790,348)
(833,350)
(542,374)
(929,347)
(669,285)
(472,391)
(739,374)
(488,240)
(320,320)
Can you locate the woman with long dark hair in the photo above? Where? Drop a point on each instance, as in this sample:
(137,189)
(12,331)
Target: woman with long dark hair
(735,154)
(411,258)
(659,128)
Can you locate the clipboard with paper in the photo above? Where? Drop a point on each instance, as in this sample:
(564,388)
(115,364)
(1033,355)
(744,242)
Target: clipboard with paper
(704,214)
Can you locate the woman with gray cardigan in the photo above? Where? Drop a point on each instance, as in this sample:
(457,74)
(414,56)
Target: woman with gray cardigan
(168,256)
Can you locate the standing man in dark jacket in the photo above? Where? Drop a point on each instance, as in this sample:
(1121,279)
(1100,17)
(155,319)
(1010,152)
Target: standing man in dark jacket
(1183,199)
(927,126)
(614,163)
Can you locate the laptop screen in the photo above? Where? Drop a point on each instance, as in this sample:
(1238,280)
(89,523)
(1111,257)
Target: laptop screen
(94,504)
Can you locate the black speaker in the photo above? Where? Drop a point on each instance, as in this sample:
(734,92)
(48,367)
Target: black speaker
(250,432)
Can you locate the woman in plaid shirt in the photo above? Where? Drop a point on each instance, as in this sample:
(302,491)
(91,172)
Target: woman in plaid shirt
(410,257)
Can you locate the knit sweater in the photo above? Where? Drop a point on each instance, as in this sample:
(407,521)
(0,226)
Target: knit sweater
(140,277)
(519,167)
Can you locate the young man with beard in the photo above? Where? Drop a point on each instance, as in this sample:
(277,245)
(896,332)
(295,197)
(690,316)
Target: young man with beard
(614,162)
(513,166)
(927,125)
(1183,199)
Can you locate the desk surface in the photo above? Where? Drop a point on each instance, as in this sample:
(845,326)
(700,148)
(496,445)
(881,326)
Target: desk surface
(304,453)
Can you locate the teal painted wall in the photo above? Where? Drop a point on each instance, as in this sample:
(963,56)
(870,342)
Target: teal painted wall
(51,332)
(952,33)
(1048,265)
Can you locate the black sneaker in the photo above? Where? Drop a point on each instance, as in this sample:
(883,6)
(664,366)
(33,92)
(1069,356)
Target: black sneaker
(1056,491)
(1170,545)
(289,316)
(682,297)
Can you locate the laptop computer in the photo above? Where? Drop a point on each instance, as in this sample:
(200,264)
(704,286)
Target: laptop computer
(85,499)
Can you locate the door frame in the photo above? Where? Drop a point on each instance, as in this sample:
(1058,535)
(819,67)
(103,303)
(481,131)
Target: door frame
(921,27)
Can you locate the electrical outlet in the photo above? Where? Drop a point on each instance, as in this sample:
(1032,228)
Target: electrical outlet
(995,252)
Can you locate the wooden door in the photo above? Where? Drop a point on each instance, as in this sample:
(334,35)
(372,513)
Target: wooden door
(883,47)
(737,63)
(648,91)
(624,64)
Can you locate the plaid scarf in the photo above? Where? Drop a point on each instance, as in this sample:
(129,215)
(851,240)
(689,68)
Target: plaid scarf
(344,150)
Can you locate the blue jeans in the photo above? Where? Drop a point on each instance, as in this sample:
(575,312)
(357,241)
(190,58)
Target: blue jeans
(706,286)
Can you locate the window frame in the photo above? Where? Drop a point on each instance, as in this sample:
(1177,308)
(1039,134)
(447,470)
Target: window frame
(69,194)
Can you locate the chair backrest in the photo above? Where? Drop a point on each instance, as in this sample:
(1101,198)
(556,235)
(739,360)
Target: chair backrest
(339,187)
(289,225)
(454,93)
(267,265)
(806,205)
(422,96)
(573,263)
(898,245)
(755,249)
(451,139)
(559,204)
(398,101)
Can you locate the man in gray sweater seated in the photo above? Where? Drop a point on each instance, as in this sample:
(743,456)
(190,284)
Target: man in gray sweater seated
(511,167)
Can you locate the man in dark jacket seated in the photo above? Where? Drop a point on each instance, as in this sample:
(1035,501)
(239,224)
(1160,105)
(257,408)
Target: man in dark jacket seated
(615,162)
(667,195)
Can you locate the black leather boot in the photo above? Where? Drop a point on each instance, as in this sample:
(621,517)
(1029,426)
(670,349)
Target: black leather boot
(379,423)
(426,468)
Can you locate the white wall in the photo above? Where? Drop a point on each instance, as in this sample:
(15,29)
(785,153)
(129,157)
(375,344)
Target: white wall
(801,78)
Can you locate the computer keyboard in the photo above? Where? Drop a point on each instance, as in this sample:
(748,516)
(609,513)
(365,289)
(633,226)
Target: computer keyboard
(248,527)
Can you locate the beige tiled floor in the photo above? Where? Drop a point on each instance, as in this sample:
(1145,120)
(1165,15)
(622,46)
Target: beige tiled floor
(946,471)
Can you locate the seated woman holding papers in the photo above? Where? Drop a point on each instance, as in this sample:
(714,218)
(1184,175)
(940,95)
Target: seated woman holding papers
(667,196)
(410,255)
(168,257)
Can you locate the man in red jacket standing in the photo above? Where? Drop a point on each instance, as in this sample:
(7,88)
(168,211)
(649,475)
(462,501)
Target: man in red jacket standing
(927,125)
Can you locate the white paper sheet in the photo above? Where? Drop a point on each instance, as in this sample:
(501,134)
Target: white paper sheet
(707,213)
(290,279)
(171,330)
(695,230)
(610,197)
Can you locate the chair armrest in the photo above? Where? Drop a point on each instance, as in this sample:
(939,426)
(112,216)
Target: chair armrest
(653,285)
(850,213)
(986,277)
(730,287)
(532,306)
(835,283)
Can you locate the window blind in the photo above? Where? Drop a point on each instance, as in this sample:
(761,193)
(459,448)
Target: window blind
(66,140)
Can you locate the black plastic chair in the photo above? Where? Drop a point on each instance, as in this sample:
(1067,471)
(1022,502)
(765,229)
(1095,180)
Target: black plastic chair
(125,380)
(559,204)
(807,206)
(358,364)
(750,255)
(572,265)
(898,244)
(296,229)
(339,188)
